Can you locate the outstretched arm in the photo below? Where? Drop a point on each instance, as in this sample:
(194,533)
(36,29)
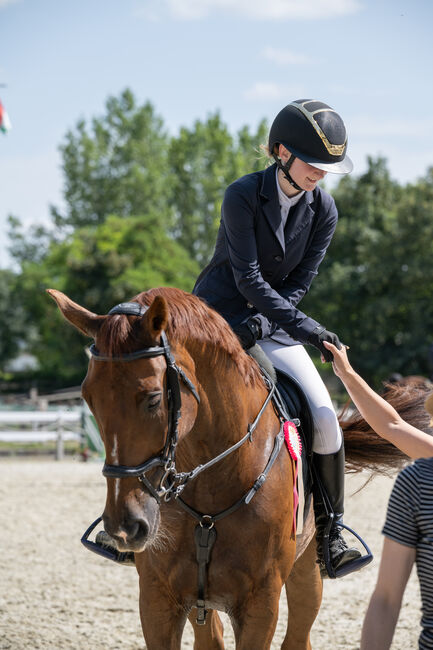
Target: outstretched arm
(380,415)
(384,608)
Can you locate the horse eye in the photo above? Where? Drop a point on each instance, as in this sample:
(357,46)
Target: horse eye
(154,400)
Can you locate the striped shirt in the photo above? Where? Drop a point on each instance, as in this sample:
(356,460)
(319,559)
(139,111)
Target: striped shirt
(409,521)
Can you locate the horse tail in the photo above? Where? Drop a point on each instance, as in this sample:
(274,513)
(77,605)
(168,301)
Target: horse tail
(365,449)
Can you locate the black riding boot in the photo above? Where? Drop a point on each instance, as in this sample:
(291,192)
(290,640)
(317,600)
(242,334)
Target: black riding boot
(328,510)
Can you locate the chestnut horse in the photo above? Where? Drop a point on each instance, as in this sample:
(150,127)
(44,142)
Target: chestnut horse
(165,499)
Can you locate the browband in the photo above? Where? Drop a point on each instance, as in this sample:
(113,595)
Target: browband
(131,356)
(129,309)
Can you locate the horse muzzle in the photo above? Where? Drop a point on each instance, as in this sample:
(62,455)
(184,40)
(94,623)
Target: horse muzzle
(136,526)
(132,536)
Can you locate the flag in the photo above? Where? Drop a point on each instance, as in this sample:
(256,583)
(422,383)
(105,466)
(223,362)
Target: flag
(5,123)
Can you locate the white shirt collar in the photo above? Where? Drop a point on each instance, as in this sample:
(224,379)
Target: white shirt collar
(287,201)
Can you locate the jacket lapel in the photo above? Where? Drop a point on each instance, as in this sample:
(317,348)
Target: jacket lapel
(300,217)
(271,204)
(303,212)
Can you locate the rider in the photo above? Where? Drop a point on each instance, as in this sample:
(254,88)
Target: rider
(276,225)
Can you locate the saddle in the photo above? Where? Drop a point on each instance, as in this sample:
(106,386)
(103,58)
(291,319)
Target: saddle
(295,407)
(298,411)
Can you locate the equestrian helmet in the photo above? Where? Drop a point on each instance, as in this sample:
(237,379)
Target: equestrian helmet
(313,132)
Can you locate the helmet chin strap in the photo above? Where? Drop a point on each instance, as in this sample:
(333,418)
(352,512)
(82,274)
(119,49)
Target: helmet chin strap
(285,168)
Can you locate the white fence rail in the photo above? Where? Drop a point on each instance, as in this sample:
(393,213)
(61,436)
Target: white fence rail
(49,426)
(30,417)
(36,436)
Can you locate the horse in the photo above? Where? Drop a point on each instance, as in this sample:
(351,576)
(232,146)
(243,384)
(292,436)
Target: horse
(199,483)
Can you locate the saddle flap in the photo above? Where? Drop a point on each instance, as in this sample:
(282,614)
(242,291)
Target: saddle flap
(297,406)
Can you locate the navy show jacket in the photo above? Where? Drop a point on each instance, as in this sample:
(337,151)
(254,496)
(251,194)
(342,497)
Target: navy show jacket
(260,268)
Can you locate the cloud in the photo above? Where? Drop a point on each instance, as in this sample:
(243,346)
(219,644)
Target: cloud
(252,9)
(282,56)
(269,91)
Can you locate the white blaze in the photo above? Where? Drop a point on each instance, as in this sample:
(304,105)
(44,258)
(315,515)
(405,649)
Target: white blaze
(115,461)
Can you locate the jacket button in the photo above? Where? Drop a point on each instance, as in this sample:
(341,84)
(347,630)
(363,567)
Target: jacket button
(278,258)
(250,305)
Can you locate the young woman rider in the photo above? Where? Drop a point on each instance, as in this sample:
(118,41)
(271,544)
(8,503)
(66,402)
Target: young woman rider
(276,226)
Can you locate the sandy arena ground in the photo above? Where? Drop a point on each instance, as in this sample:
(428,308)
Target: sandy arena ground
(55,595)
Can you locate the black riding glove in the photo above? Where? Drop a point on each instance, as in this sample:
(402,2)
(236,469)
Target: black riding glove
(321,334)
(248,332)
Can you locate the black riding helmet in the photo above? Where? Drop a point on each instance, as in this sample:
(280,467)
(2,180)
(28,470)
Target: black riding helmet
(313,132)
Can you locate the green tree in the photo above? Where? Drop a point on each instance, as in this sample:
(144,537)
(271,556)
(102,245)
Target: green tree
(117,166)
(404,278)
(377,275)
(27,244)
(12,318)
(97,267)
(204,160)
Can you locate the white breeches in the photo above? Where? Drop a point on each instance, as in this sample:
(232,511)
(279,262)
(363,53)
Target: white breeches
(295,361)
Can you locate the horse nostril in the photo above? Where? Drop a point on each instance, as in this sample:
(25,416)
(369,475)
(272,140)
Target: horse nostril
(137,529)
(132,529)
(143,529)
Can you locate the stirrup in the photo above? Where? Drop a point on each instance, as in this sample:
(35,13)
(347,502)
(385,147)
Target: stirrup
(349,567)
(110,553)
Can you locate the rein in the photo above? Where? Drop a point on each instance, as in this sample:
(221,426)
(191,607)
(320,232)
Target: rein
(172,483)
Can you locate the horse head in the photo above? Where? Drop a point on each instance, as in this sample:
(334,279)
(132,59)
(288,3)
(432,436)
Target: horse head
(132,404)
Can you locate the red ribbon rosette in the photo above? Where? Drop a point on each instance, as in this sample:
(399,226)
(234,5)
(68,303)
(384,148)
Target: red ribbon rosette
(294,445)
(293,440)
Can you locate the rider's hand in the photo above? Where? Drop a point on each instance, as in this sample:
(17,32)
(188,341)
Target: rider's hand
(319,336)
(248,332)
(340,363)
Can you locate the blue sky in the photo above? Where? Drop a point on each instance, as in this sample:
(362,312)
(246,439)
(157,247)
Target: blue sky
(369,59)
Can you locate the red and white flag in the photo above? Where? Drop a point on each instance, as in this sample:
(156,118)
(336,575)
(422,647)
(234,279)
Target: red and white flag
(5,123)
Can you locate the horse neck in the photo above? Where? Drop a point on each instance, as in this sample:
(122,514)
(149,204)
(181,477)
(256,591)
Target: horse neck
(226,409)
(228,405)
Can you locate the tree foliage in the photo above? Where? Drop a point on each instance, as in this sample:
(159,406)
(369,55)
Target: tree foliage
(97,267)
(204,161)
(376,283)
(119,165)
(12,318)
(142,209)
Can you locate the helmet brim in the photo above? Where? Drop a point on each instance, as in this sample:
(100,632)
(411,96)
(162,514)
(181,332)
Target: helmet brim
(344,166)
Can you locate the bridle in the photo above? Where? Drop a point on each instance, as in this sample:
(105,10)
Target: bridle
(172,483)
(166,459)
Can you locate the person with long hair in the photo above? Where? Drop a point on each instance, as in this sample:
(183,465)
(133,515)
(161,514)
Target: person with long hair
(408,528)
(380,415)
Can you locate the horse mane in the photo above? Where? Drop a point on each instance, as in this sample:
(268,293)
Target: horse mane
(365,449)
(190,319)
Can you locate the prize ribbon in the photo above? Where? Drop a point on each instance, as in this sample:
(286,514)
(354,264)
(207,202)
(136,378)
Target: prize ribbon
(294,445)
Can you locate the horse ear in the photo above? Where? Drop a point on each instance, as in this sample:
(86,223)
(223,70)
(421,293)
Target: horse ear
(83,320)
(156,317)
